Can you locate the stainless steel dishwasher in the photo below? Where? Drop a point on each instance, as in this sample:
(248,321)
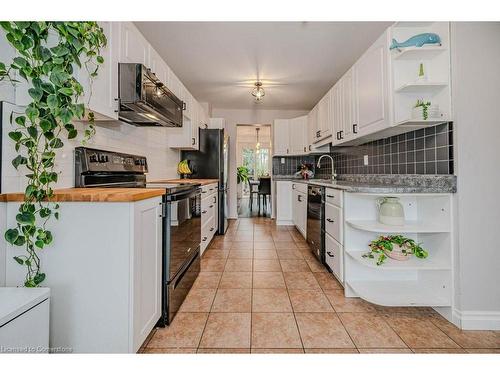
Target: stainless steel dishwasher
(315,222)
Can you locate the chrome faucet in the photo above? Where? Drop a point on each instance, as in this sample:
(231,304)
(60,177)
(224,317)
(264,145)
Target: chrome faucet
(333,170)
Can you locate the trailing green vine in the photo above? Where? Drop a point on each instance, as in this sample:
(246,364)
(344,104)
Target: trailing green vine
(384,244)
(48,67)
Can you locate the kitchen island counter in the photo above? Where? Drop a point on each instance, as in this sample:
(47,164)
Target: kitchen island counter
(93,195)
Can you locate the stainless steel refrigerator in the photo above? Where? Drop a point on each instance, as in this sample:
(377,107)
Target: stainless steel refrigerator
(212,161)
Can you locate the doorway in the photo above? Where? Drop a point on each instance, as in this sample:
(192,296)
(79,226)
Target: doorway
(254,161)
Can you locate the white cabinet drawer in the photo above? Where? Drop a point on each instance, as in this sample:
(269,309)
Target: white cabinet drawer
(333,257)
(206,190)
(300,187)
(333,222)
(333,196)
(205,235)
(207,209)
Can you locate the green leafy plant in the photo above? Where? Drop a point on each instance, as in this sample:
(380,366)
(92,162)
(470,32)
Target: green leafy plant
(242,174)
(46,54)
(384,244)
(425,108)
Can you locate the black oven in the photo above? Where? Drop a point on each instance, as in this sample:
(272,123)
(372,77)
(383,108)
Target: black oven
(315,222)
(181,248)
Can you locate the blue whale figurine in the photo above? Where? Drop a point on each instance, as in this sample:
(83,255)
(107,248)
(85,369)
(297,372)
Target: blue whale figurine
(417,41)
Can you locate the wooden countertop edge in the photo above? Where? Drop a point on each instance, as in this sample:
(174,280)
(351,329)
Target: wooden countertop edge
(93,195)
(201,181)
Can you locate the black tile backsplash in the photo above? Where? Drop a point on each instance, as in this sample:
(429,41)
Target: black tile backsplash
(423,151)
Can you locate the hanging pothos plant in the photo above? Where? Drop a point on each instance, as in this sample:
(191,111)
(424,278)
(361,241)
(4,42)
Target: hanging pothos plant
(48,67)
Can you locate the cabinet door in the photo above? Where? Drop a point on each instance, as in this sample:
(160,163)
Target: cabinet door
(157,65)
(174,84)
(284,214)
(345,92)
(146,268)
(301,215)
(336,102)
(323,130)
(303,135)
(312,127)
(296,134)
(101,96)
(281,137)
(134,47)
(372,87)
(295,207)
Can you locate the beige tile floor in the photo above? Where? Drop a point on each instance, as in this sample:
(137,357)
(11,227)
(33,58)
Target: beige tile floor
(260,290)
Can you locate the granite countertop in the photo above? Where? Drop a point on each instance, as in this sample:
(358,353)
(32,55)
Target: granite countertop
(385,184)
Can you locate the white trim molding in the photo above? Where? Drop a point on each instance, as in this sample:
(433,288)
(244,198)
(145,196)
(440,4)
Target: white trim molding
(477,320)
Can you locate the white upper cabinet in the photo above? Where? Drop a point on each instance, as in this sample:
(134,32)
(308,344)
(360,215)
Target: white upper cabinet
(174,84)
(323,129)
(102,96)
(158,66)
(281,137)
(312,127)
(134,47)
(298,135)
(372,87)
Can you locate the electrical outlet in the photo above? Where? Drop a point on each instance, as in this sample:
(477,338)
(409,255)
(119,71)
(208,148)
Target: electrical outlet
(282,160)
(365,159)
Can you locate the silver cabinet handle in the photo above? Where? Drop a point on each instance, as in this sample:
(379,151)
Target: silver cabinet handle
(330,196)
(204,211)
(293,186)
(330,220)
(211,229)
(204,238)
(330,254)
(211,206)
(299,198)
(215,199)
(193,142)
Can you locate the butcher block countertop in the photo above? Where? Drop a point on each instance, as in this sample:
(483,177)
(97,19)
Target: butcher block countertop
(201,181)
(93,195)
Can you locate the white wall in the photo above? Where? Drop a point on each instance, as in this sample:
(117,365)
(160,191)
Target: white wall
(476,98)
(118,136)
(245,116)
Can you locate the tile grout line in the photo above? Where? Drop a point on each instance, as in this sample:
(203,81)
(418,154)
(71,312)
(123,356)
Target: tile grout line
(211,306)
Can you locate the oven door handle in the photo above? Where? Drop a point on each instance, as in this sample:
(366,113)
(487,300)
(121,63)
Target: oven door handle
(183,195)
(184,271)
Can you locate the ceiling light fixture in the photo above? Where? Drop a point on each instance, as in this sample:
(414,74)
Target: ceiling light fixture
(258,92)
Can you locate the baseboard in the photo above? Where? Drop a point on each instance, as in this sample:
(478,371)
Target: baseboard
(477,320)
(284,222)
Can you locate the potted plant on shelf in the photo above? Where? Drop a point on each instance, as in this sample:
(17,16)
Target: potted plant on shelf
(49,69)
(396,247)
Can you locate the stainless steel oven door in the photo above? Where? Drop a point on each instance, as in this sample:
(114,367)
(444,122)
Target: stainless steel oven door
(184,231)
(179,287)
(315,215)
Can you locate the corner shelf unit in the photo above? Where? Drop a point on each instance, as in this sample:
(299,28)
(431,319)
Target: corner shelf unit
(405,64)
(415,282)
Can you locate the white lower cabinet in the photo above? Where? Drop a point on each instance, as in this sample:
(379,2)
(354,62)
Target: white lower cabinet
(104,273)
(284,197)
(333,257)
(334,232)
(24,320)
(209,214)
(299,207)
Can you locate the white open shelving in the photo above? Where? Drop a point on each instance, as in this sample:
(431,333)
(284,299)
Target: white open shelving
(399,293)
(413,263)
(421,87)
(410,226)
(414,282)
(405,63)
(425,52)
